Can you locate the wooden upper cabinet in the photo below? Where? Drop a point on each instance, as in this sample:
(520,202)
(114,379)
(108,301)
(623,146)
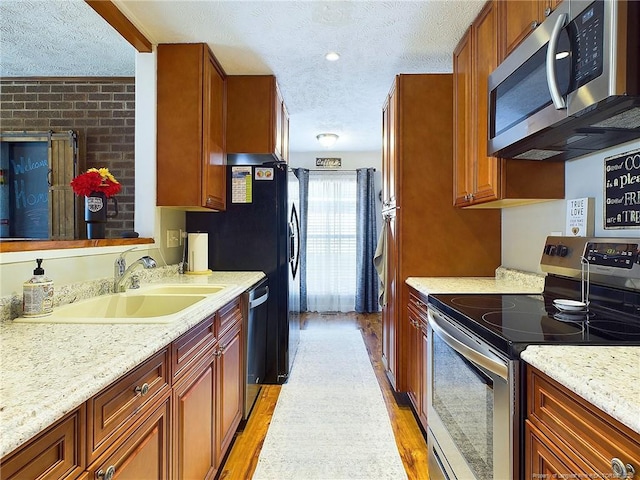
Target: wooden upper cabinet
(482,181)
(389,155)
(191,128)
(519,18)
(257,119)
(462,121)
(476,176)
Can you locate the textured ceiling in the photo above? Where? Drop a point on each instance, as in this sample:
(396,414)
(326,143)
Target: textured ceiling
(376,40)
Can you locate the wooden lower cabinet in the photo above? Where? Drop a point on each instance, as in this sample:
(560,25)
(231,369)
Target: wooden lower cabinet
(143,454)
(208,398)
(173,416)
(230,387)
(568,437)
(57,453)
(194,409)
(418,386)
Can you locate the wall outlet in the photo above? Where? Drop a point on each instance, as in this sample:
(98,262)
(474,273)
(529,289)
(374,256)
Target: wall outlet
(173,238)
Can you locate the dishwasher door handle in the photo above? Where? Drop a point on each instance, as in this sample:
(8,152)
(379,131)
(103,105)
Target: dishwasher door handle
(255,302)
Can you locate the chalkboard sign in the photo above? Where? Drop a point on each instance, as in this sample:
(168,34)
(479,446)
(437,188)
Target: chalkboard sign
(25,192)
(622,191)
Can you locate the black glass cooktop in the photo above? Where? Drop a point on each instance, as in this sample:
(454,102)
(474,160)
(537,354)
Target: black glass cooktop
(510,322)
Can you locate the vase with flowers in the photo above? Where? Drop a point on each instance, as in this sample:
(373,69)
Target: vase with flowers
(97,185)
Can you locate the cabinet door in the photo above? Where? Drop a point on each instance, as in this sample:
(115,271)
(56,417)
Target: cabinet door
(230,387)
(142,455)
(278,118)
(424,391)
(389,158)
(485,58)
(462,124)
(544,460)
(389,310)
(194,406)
(57,453)
(518,19)
(285,133)
(415,356)
(214,160)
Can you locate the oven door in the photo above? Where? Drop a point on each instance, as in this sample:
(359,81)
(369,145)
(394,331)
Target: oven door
(471,405)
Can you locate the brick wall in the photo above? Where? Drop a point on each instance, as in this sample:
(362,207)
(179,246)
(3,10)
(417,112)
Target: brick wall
(102,111)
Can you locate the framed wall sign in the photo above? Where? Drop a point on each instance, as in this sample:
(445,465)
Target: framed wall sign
(622,191)
(329,162)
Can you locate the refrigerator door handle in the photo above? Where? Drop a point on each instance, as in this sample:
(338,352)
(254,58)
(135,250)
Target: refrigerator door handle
(294,241)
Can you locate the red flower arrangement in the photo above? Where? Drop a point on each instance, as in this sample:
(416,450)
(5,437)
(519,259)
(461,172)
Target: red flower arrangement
(95,180)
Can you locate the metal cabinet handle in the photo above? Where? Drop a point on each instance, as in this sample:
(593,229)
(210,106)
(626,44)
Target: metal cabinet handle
(620,470)
(108,475)
(534,24)
(142,390)
(547,11)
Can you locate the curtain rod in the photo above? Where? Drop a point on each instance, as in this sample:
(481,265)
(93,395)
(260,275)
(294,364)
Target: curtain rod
(335,169)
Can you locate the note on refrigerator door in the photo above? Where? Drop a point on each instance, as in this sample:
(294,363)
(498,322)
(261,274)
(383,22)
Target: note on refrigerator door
(241,185)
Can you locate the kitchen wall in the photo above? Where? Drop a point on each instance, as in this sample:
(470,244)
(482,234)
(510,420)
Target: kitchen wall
(524,229)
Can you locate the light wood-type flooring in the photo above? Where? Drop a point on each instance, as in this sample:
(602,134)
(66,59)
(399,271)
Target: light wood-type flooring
(243,457)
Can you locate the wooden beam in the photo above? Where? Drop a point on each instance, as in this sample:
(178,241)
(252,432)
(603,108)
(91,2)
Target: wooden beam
(114,17)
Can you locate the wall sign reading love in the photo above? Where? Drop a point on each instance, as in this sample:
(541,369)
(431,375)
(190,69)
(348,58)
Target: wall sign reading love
(622,191)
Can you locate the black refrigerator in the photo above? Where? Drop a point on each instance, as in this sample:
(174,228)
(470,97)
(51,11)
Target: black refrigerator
(260,231)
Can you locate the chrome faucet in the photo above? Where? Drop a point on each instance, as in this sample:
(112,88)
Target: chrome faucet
(121,272)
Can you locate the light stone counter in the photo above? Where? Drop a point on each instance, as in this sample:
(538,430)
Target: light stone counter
(47,370)
(505,281)
(608,377)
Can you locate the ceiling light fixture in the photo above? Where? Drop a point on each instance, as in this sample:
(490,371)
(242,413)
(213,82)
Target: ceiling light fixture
(332,56)
(327,140)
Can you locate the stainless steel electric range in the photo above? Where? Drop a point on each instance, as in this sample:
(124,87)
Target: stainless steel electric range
(591,297)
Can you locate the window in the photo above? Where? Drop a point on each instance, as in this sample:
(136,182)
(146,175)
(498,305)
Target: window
(331,242)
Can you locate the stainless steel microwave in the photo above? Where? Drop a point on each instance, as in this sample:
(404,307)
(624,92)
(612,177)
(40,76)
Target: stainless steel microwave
(571,87)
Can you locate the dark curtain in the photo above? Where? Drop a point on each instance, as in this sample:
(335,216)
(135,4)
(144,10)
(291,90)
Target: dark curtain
(366,236)
(303,177)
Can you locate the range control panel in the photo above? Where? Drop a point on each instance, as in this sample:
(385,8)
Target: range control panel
(612,261)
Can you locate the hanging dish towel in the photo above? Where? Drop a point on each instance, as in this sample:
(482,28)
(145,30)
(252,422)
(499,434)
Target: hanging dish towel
(380,263)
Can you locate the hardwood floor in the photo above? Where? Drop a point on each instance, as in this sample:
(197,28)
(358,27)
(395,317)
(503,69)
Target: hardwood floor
(243,457)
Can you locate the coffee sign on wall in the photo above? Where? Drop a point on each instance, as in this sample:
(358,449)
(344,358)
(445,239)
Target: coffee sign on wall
(622,191)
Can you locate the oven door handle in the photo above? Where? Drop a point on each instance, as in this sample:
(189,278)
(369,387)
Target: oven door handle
(466,346)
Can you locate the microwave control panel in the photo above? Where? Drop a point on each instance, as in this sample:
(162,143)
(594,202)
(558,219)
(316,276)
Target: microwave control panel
(586,33)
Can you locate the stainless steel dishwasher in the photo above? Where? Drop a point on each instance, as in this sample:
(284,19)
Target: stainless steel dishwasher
(255,332)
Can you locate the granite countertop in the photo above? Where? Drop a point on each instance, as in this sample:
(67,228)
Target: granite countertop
(47,370)
(505,281)
(607,377)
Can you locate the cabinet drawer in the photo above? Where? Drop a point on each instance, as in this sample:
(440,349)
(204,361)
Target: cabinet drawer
(417,306)
(55,454)
(191,347)
(228,316)
(118,406)
(581,428)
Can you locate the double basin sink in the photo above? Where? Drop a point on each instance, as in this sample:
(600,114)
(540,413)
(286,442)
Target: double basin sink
(150,304)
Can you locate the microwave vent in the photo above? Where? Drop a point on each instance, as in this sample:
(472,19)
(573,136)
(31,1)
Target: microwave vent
(627,119)
(537,154)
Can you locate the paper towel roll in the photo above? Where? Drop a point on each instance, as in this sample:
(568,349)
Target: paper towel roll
(198,252)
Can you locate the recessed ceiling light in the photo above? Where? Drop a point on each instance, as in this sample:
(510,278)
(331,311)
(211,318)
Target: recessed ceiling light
(332,56)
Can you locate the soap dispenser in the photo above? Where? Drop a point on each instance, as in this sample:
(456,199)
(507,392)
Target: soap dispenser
(37,294)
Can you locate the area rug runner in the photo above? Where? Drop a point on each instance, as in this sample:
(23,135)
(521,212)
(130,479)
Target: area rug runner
(330,421)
